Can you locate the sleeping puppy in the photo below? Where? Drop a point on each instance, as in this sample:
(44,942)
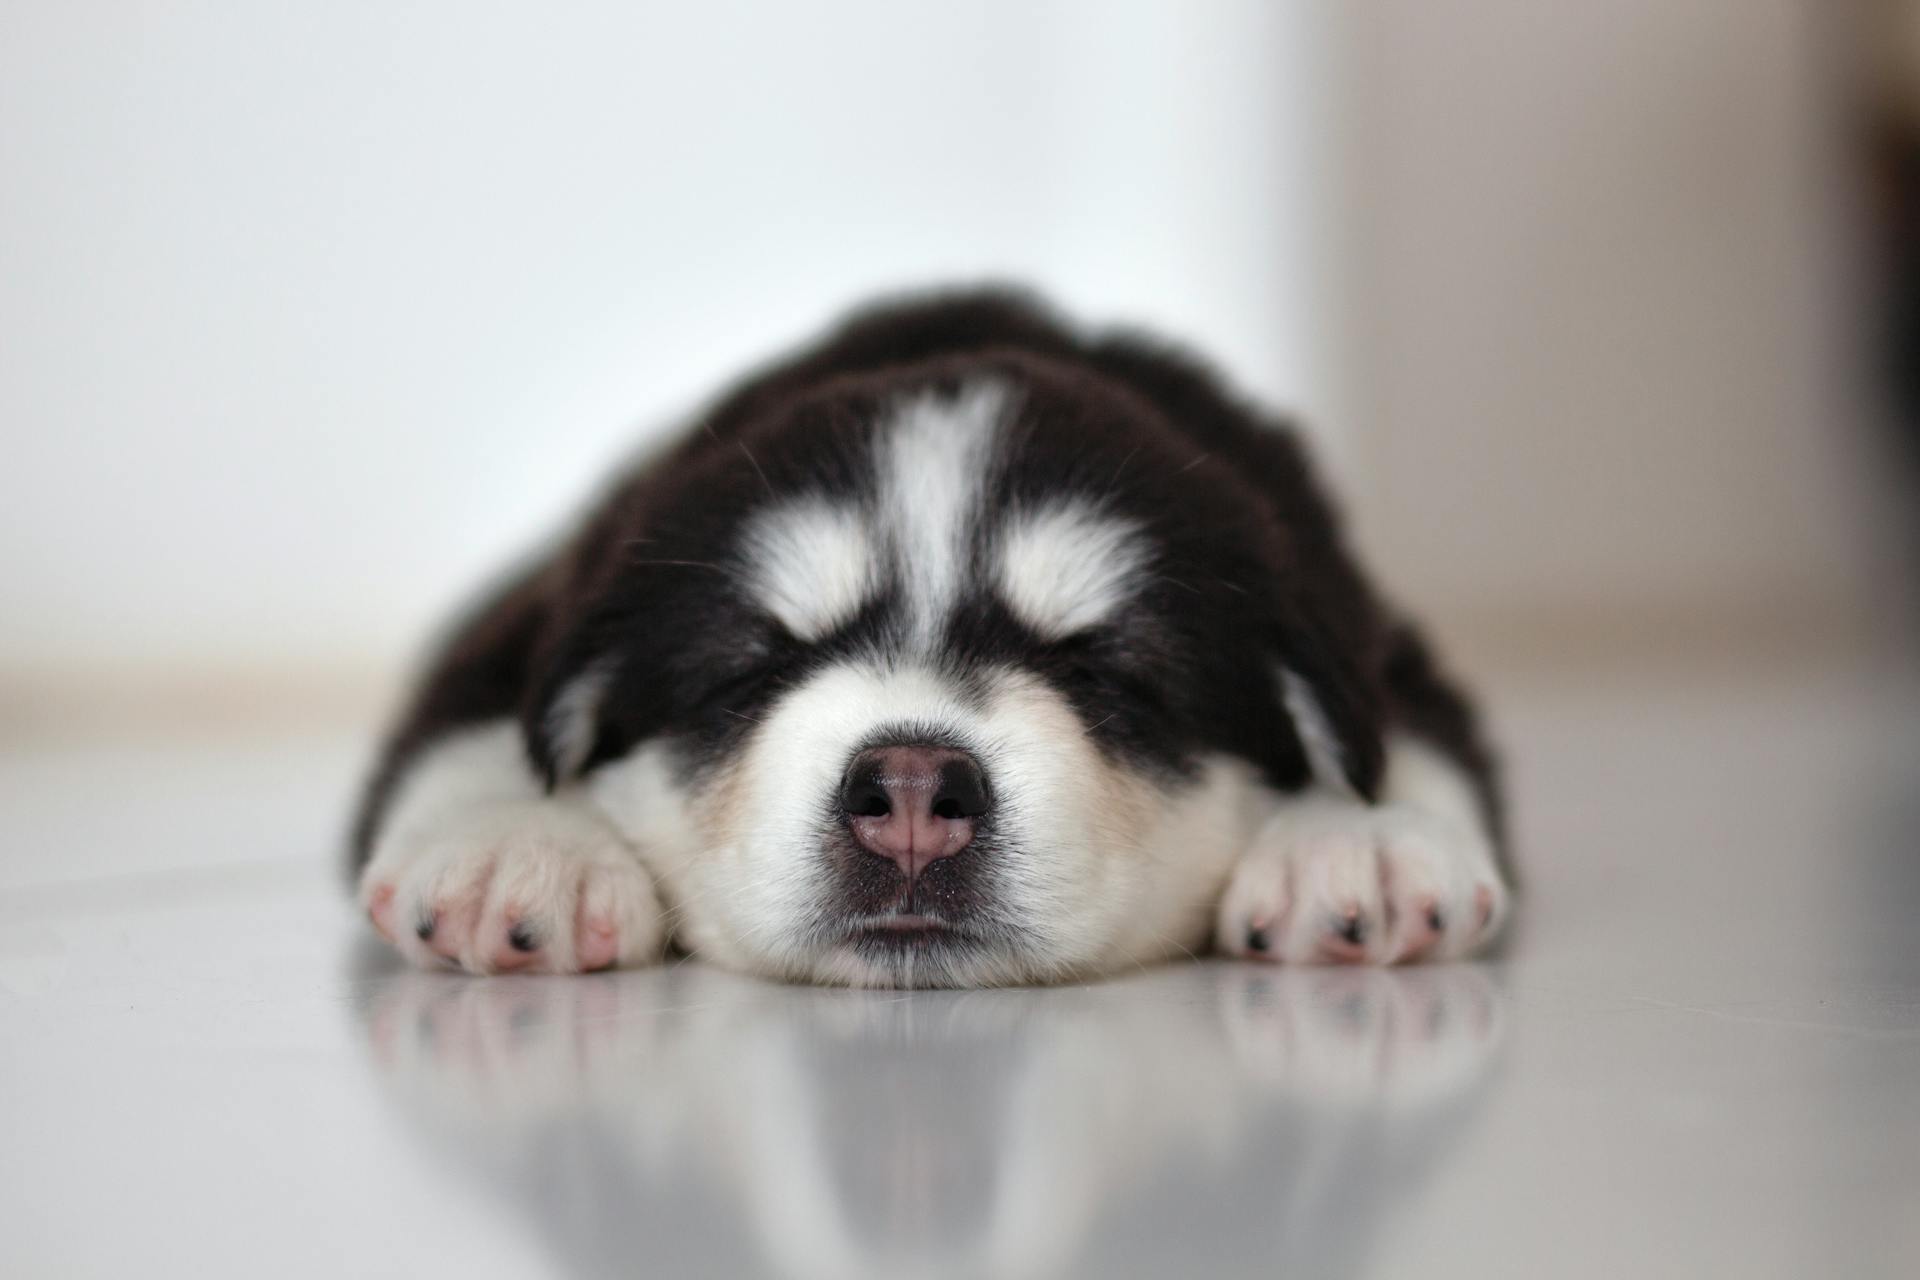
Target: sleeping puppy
(960,649)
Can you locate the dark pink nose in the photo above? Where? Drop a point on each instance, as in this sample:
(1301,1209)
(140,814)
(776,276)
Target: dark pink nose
(914,805)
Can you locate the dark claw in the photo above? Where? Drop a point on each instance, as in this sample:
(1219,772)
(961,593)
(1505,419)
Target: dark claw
(1436,921)
(1257,940)
(424,930)
(521,938)
(1352,928)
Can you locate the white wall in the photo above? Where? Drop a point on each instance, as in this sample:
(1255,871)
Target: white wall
(311,313)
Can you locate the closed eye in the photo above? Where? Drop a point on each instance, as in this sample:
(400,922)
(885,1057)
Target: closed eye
(738,691)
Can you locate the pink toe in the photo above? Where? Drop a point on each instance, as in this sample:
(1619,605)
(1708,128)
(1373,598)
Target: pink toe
(598,945)
(1345,940)
(520,947)
(508,958)
(1340,951)
(1483,903)
(1423,930)
(380,910)
(446,934)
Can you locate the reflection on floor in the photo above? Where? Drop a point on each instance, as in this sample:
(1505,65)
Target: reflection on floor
(833,1134)
(1700,1055)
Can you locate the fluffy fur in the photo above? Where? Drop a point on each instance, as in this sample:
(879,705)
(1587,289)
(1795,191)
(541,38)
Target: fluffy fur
(956,524)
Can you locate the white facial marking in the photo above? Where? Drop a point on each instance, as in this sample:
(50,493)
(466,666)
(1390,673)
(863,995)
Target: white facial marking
(1098,868)
(812,564)
(933,456)
(1069,567)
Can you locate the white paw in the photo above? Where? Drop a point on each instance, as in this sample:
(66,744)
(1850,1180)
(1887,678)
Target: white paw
(535,886)
(1333,881)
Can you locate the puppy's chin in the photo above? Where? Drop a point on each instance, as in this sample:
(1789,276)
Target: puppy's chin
(903,957)
(919,965)
(896,952)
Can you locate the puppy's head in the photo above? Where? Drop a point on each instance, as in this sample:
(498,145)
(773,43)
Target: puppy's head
(966,673)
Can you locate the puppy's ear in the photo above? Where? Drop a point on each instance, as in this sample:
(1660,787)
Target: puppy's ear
(1338,714)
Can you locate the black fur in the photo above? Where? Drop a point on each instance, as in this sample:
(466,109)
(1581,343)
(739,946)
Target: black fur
(1250,568)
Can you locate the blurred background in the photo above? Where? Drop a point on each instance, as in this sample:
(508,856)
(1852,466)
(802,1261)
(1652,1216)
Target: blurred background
(1604,318)
(312,315)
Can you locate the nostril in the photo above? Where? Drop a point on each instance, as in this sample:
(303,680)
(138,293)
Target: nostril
(963,791)
(865,798)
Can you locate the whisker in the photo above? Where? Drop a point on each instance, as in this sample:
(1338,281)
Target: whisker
(742,446)
(756,465)
(677,910)
(688,564)
(1143,964)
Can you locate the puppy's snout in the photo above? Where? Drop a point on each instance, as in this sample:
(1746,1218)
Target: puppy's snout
(914,805)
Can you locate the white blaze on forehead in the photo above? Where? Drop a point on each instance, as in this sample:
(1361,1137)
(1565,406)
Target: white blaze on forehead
(933,457)
(1069,567)
(812,564)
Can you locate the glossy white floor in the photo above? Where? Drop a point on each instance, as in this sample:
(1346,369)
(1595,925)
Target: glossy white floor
(1700,1056)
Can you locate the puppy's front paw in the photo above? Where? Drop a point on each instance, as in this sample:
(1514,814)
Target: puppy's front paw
(532,886)
(1338,882)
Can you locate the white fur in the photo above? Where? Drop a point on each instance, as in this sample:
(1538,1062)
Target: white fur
(1327,856)
(484,764)
(471,842)
(1421,776)
(1324,754)
(1069,567)
(574,714)
(934,451)
(812,565)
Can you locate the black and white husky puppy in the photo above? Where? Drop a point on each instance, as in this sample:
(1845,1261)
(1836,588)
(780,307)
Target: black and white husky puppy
(960,649)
